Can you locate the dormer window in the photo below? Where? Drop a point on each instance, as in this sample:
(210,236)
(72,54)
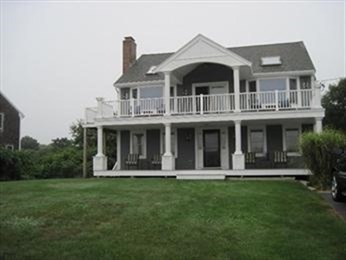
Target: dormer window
(151,70)
(271,61)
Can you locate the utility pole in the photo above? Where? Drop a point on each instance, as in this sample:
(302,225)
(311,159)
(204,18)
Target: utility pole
(85,145)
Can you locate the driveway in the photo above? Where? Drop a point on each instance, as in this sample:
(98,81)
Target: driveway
(340,207)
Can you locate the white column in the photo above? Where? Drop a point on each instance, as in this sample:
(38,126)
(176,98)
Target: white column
(99,106)
(99,141)
(318,125)
(238,156)
(236,88)
(167,92)
(316,88)
(168,158)
(118,150)
(100,160)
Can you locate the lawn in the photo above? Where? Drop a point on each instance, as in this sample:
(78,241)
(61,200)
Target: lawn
(166,219)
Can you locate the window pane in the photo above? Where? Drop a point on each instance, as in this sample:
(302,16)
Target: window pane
(292,137)
(252,86)
(134,93)
(151,92)
(305,82)
(293,84)
(257,141)
(272,84)
(138,144)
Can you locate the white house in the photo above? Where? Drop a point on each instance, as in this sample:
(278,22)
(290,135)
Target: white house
(207,111)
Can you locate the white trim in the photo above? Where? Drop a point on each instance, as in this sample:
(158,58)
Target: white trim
(2,121)
(261,127)
(225,57)
(248,116)
(144,132)
(139,83)
(285,73)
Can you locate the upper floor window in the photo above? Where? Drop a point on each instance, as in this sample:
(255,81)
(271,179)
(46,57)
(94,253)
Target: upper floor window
(305,82)
(272,84)
(2,120)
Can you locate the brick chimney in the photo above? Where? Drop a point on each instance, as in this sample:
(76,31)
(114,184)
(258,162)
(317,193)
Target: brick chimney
(129,52)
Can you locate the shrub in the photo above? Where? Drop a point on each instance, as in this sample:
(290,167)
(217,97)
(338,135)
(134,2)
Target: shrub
(319,154)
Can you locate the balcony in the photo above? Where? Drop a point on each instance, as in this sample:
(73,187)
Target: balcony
(205,104)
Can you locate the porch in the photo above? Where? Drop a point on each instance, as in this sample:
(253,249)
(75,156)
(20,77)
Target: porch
(268,101)
(202,149)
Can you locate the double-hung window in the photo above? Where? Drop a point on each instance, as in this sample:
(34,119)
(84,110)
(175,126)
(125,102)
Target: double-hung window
(138,144)
(292,140)
(257,141)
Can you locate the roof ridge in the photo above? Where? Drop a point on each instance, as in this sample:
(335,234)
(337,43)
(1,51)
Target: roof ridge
(265,44)
(243,46)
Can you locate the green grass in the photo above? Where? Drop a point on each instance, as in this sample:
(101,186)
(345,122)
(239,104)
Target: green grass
(166,219)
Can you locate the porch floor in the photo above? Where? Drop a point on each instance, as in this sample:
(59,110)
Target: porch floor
(203,174)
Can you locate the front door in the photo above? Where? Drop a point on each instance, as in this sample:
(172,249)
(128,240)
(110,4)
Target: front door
(211,148)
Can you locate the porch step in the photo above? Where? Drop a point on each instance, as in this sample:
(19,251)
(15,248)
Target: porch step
(200,175)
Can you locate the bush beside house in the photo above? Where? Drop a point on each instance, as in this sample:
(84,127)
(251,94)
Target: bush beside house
(320,152)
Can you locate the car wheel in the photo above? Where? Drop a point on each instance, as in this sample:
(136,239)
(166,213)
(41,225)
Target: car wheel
(336,194)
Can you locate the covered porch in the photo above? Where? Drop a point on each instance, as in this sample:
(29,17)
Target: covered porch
(227,146)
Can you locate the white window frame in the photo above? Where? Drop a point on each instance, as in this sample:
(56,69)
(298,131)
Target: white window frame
(148,86)
(254,128)
(144,132)
(2,120)
(9,147)
(284,146)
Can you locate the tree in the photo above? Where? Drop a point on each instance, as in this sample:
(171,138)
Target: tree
(29,143)
(334,102)
(61,142)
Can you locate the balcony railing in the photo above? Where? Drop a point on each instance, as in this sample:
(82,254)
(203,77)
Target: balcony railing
(203,104)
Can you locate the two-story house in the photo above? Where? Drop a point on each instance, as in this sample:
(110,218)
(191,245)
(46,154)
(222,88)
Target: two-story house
(207,111)
(10,118)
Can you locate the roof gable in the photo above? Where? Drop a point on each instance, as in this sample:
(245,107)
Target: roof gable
(201,49)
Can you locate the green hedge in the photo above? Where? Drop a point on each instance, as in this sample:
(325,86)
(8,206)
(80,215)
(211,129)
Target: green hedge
(320,154)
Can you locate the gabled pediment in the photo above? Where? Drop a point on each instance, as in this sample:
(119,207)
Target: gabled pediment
(201,49)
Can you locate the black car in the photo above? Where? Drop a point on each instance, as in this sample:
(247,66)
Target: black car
(339,179)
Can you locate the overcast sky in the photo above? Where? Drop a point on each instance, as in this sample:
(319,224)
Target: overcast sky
(56,57)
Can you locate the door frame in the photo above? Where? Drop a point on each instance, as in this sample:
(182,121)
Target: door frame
(219,147)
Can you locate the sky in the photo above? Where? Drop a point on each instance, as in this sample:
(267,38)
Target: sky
(56,57)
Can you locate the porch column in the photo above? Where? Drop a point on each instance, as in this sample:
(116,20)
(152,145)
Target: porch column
(236,88)
(317,92)
(238,156)
(118,150)
(100,160)
(168,158)
(167,92)
(99,106)
(318,125)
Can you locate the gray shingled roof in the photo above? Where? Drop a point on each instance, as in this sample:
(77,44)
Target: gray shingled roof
(294,57)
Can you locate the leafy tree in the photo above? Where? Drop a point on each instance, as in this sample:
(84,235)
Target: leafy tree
(334,102)
(61,142)
(29,143)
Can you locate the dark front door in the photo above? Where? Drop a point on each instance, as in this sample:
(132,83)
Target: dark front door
(186,149)
(211,151)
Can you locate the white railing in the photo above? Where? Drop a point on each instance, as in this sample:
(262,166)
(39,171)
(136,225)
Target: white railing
(90,114)
(203,104)
(276,100)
